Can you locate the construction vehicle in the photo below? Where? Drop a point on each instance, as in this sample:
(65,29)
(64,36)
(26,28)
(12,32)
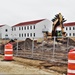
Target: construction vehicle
(57,22)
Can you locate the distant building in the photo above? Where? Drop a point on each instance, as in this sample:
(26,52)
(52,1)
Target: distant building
(70,29)
(5,31)
(31,29)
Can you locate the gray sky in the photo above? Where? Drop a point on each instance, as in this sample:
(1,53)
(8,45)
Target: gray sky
(16,11)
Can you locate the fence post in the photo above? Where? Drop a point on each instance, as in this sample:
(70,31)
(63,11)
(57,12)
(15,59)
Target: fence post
(17,48)
(67,43)
(24,45)
(32,46)
(42,49)
(54,48)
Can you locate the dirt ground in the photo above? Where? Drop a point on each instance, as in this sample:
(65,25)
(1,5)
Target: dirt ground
(23,66)
(41,63)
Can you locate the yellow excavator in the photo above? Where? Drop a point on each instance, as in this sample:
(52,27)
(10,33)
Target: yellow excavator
(58,21)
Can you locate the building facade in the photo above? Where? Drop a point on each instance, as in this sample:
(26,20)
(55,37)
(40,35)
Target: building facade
(5,32)
(31,29)
(70,29)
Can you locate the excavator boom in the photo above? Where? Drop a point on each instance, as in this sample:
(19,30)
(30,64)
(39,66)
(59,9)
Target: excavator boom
(58,22)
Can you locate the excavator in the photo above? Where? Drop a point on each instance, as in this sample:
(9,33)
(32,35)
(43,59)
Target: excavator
(58,21)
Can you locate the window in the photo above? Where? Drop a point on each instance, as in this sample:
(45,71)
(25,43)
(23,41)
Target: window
(34,26)
(30,27)
(24,28)
(31,34)
(69,34)
(12,29)
(73,34)
(19,35)
(34,34)
(27,27)
(27,34)
(73,28)
(6,30)
(19,28)
(69,28)
(66,28)
(22,34)
(6,36)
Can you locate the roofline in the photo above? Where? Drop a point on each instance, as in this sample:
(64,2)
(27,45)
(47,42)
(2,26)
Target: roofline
(2,25)
(28,23)
(69,24)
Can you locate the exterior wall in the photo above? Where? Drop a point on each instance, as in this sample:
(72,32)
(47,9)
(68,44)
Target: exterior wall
(22,32)
(5,32)
(45,25)
(70,30)
(34,32)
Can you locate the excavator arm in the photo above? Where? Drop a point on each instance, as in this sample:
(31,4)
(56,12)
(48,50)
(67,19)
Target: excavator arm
(54,23)
(58,21)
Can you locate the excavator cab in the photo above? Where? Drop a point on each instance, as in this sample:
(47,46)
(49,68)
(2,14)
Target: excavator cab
(59,33)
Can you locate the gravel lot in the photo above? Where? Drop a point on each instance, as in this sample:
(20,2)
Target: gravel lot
(16,67)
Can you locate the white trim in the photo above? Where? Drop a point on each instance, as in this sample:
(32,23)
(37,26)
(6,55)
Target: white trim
(71,71)
(8,49)
(8,55)
(71,61)
(73,51)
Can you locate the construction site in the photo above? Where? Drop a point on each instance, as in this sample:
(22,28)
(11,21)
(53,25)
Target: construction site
(47,55)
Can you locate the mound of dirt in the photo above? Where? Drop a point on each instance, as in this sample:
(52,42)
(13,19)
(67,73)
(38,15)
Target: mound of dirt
(72,41)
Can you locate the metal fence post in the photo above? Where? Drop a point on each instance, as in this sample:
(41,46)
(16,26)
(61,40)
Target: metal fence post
(67,43)
(1,50)
(24,45)
(42,49)
(54,48)
(17,48)
(32,46)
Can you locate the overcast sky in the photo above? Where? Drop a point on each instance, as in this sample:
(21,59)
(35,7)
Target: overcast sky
(16,11)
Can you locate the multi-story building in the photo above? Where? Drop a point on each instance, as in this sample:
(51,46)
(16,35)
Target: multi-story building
(70,29)
(31,29)
(5,31)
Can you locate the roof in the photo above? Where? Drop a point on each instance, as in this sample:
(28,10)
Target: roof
(2,25)
(69,24)
(29,22)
